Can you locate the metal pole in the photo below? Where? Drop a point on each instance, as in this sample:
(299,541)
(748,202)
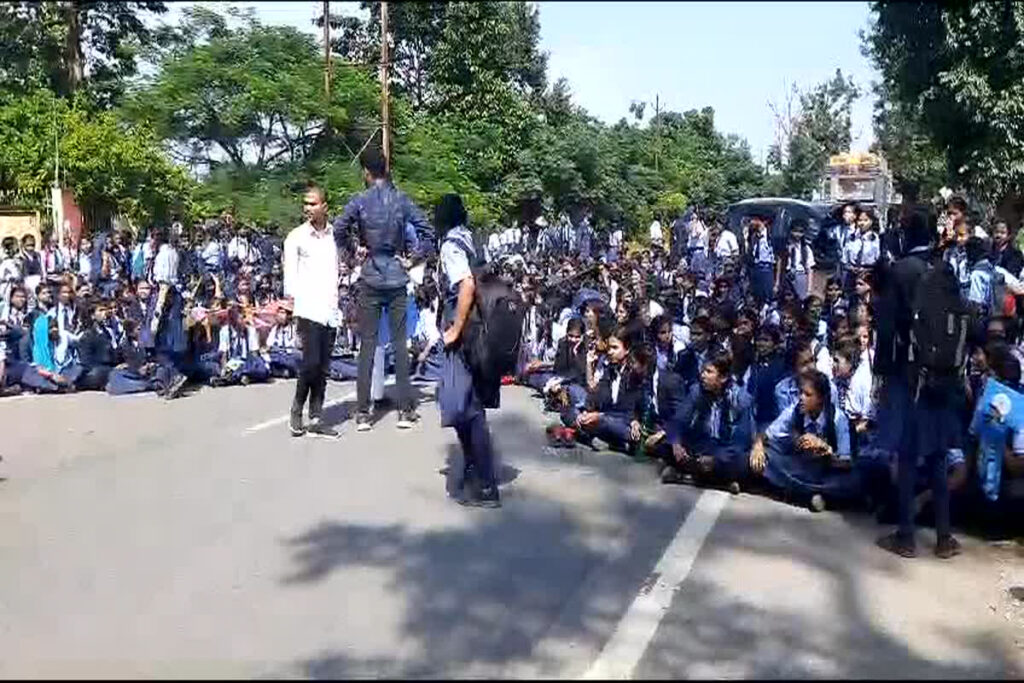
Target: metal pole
(384,90)
(327,50)
(657,130)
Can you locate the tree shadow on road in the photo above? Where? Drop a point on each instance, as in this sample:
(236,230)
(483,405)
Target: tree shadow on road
(521,591)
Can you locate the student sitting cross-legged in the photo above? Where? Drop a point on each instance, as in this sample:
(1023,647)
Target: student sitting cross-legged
(239,346)
(281,354)
(47,374)
(96,346)
(712,433)
(135,373)
(806,450)
(613,409)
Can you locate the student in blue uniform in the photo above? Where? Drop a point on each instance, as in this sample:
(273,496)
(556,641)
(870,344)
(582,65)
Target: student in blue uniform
(713,432)
(762,259)
(281,356)
(806,451)
(163,331)
(690,360)
(767,371)
(134,373)
(238,345)
(614,408)
(798,261)
(459,398)
(96,347)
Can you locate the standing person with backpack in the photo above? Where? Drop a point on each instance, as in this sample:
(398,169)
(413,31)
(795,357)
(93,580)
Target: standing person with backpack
(464,391)
(922,328)
(376,222)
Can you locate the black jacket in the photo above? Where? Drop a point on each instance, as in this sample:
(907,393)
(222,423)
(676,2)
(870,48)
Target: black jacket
(1009,258)
(570,366)
(631,395)
(95,349)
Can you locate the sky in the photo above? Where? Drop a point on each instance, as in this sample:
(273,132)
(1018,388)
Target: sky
(733,56)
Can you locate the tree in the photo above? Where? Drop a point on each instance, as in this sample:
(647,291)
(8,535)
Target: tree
(819,128)
(67,45)
(251,96)
(956,71)
(112,167)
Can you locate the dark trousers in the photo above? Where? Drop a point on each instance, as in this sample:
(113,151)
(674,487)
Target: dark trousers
(907,476)
(317,341)
(478,455)
(371,303)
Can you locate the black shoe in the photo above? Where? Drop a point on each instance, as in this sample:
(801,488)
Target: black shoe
(318,428)
(176,387)
(363,423)
(246,380)
(947,547)
(218,381)
(672,475)
(295,424)
(407,419)
(895,543)
(484,498)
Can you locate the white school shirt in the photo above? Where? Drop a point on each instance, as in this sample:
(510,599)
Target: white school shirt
(796,258)
(728,246)
(859,402)
(311,274)
(252,339)
(165,265)
(282,336)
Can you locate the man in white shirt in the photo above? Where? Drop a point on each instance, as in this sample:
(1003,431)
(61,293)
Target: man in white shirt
(655,231)
(311,282)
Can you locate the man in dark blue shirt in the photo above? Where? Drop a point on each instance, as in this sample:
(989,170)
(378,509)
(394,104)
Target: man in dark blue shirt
(374,226)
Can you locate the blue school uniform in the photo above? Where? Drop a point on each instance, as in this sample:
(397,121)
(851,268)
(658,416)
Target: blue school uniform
(282,357)
(765,376)
(722,429)
(762,270)
(242,360)
(804,474)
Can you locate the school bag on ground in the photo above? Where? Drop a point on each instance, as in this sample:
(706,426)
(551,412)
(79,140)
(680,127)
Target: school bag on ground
(939,324)
(493,335)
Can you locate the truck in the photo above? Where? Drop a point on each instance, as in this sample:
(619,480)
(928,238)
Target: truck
(859,177)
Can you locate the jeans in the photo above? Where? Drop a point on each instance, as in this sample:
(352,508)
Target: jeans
(317,341)
(372,301)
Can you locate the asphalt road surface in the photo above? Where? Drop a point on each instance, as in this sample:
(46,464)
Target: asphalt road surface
(197,538)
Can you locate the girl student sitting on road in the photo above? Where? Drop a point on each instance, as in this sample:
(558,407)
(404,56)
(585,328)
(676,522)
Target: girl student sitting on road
(805,453)
(712,434)
(239,351)
(614,406)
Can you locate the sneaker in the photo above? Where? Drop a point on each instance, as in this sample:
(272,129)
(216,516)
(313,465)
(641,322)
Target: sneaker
(947,547)
(817,503)
(897,544)
(484,498)
(318,428)
(295,424)
(363,423)
(407,419)
(246,380)
(174,390)
(734,489)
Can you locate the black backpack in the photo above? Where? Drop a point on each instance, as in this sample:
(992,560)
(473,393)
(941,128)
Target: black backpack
(939,323)
(492,338)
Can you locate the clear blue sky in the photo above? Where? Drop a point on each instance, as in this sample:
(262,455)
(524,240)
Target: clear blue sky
(735,57)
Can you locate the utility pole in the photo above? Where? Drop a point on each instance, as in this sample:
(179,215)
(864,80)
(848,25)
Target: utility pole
(384,90)
(327,50)
(657,130)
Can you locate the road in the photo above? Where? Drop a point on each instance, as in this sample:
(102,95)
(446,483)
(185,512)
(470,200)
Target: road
(197,538)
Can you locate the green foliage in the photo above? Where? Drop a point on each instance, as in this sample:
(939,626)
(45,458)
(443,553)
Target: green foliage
(953,74)
(109,164)
(64,45)
(819,129)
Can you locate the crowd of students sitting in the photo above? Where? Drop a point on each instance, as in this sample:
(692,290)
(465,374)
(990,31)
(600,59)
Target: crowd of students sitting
(727,368)
(718,357)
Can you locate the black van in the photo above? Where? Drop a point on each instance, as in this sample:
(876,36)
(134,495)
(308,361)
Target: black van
(821,222)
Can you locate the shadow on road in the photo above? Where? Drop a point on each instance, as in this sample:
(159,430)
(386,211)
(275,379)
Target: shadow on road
(479,598)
